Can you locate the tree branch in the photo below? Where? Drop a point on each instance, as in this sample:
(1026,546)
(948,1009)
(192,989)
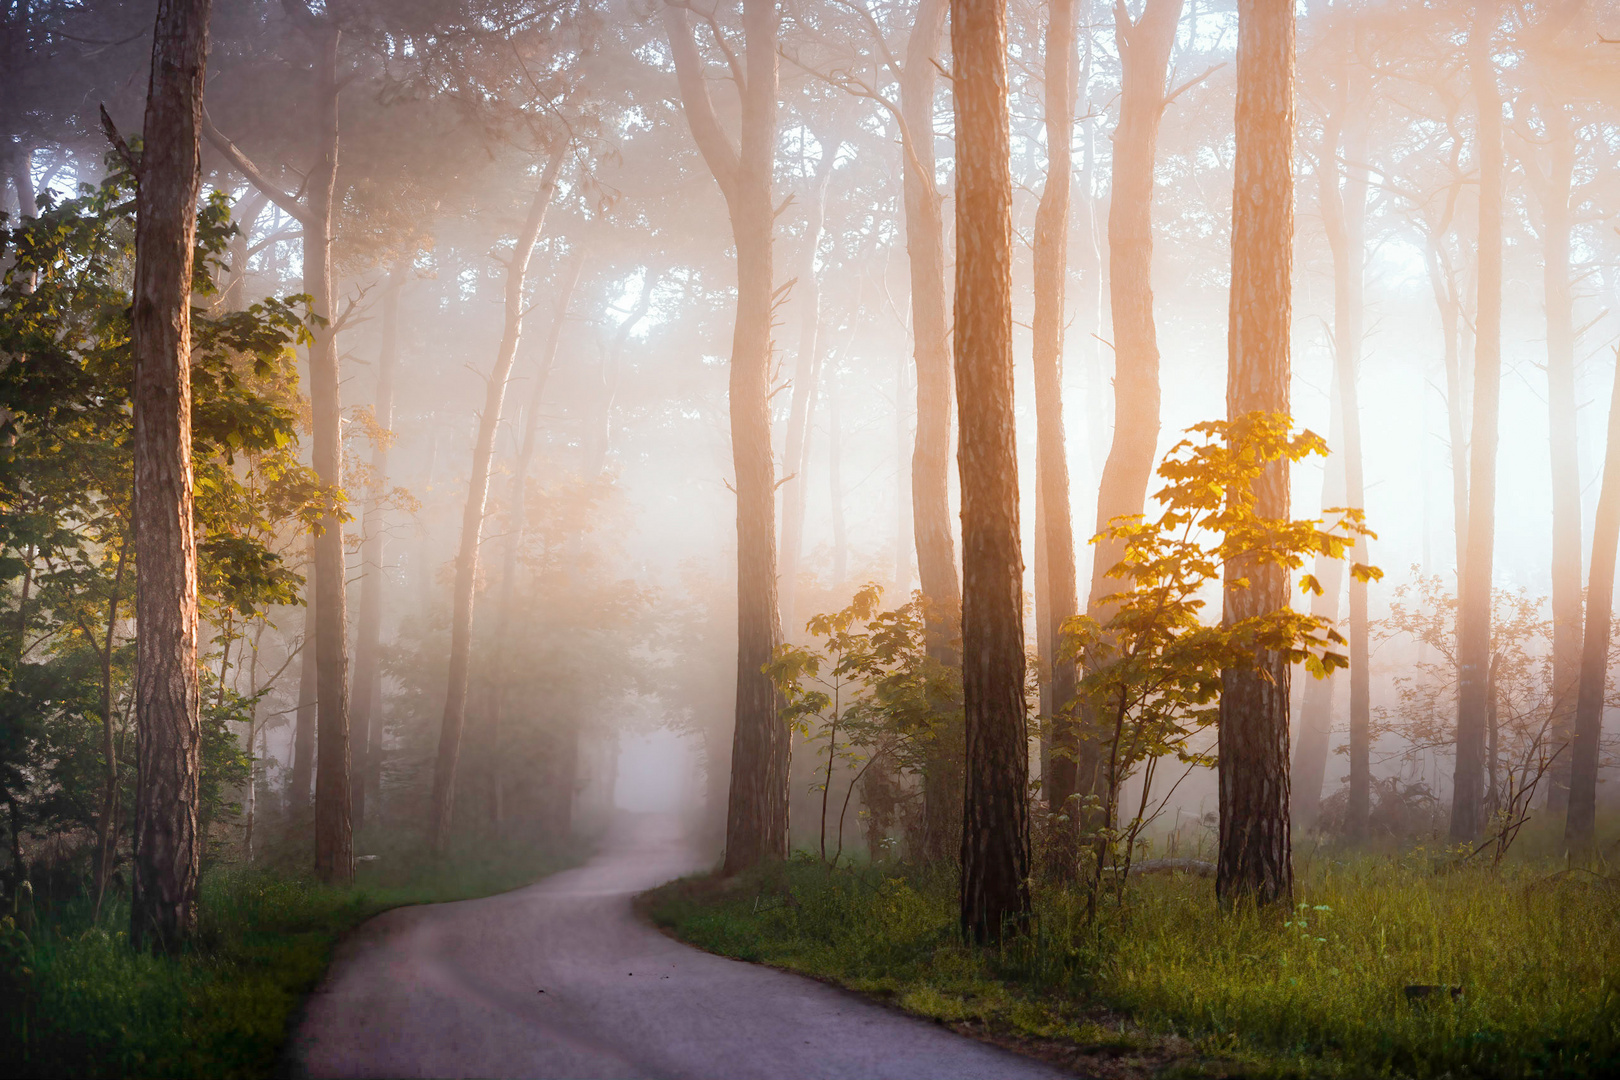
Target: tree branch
(239,161)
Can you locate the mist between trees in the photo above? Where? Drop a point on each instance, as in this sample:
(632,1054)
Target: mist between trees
(564,371)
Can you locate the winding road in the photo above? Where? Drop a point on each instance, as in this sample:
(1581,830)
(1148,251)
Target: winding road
(560,979)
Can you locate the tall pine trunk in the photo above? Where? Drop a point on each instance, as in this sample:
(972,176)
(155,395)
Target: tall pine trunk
(472,520)
(995,818)
(368,636)
(1055,592)
(1580,825)
(1255,860)
(757,811)
(168,726)
(1474,600)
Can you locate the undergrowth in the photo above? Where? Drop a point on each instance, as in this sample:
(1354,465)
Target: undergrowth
(77,1001)
(1317,990)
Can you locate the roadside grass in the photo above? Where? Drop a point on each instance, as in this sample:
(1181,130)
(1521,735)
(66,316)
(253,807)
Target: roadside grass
(1169,984)
(75,1000)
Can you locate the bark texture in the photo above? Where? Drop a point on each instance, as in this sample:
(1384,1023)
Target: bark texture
(1474,599)
(168,732)
(757,811)
(995,819)
(1255,860)
(472,519)
(1055,594)
(1580,825)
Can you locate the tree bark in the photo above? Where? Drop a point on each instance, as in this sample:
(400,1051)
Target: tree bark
(368,634)
(168,846)
(1316,710)
(757,812)
(1474,601)
(995,820)
(302,775)
(1055,591)
(472,521)
(1255,860)
(1580,824)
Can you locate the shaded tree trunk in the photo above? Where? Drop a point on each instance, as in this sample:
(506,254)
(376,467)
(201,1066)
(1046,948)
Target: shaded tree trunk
(1055,590)
(368,636)
(995,819)
(302,775)
(107,821)
(168,845)
(757,814)
(472,520)
(1255,859)
(1580,824)
(1474,599)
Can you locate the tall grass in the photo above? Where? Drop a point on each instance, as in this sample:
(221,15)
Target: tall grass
(1320,989)
(79,1002)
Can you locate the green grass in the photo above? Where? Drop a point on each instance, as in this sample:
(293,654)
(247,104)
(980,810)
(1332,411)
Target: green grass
(75,1000)
(1170,982)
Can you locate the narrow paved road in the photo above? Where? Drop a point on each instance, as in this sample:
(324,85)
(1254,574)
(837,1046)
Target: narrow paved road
(561,980)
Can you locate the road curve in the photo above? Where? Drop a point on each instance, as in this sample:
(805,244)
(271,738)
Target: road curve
(560,980)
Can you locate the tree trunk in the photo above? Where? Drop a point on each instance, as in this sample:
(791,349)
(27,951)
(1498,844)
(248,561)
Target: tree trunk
(904,541)
(1316,711)
(1055,591)
(1444,284)
(1580,826)
(472,521)
(1144,53)
(1255,859)
(1345,217)
(247,210)
(303,763)
(757,814)
(835,481)
(995,820)
(334,838)
(1474,601)
(368,637)
(168,726)
(107,822)
(1561,415)
(517,511)
(805,366)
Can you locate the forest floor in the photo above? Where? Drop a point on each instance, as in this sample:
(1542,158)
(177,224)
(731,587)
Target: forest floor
(1163,983)
(77,1001)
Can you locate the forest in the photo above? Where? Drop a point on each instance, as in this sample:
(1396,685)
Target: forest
(1078,538)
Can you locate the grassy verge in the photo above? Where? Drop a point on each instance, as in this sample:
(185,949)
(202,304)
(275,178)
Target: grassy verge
(78,1002)
(1169,984)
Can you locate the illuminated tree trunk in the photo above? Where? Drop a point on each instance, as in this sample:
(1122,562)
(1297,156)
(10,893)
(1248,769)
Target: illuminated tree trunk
(1255,861)
(757,814)
(1554,191)
(1474,600)
(1316,709)
(472,520)
(368,637)
(168,727)
(806,364)
(1580,824)
(995,820)
(1055,599)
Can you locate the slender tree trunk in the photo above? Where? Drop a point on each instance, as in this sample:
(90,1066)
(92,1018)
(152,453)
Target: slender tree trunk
(1474,601)
(518,510)
(1144,52)
(904,541)
(1316,710)
(303,763)
(374,529)
(234,296)
(995,821)
(757,814)
(1580,826)
(1255,860)
(835,480)
(804,387)
(1055,590)
(107,823)
(472,521)
(168,846)
(1561,414)
(1345,215)
(1444,284)
(334,837)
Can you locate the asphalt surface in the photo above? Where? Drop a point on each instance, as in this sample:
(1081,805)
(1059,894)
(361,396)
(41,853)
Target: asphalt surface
(561,980)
